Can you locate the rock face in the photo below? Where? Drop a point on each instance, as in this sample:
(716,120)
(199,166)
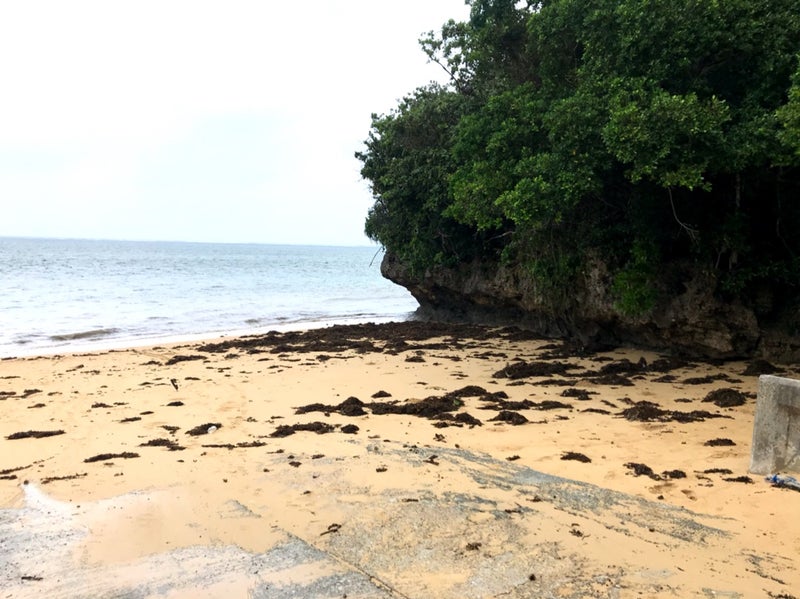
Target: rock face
(691,319)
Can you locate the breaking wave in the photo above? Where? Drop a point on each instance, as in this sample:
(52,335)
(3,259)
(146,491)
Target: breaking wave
(93,334)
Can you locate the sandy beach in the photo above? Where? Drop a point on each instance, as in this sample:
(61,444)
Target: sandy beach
(399,460)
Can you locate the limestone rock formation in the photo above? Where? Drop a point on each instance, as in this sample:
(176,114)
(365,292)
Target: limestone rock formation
(691,318)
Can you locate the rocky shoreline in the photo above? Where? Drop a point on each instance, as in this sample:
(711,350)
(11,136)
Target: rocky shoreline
(691,319)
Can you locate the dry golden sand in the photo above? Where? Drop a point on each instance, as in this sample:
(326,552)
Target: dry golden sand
(306,482)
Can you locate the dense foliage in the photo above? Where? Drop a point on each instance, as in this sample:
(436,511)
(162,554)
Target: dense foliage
(643,132)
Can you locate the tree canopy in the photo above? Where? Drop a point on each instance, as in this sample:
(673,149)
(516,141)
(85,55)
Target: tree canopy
(645,132)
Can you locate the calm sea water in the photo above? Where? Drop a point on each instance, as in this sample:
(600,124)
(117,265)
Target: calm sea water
(66,295)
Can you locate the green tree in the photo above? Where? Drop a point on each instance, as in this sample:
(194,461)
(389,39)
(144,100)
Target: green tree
(407,161)
(646,132)
(789,117)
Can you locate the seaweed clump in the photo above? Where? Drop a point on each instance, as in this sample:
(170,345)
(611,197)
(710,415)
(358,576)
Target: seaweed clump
(646,411)
(726,398)
(204,429)
(33,434)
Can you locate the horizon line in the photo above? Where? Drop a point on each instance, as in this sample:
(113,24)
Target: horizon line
(129,240)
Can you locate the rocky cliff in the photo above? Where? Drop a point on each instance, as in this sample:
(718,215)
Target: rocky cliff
(689,319)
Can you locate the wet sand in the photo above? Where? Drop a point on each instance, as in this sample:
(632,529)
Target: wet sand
(420,460)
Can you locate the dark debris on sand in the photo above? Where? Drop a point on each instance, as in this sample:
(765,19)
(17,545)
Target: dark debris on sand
(51,479)
(352,406)
(202,429)
(514,418)
(719,443)
(180,358)
(33,434)
(615,373)
(284,430)
(759,367)
(575,456)
(460,419)
(638,469)
(5,474)
(240,445)
(493,402)
(739,479)
(395,337)
(711,378)
(415,337)
(551,404)
(623,367)
(523,370)
(435,407)
(717,471)
(573,348)
(473,391)
(430,407)
(126,455)
(726,398)
(596,411)
(668,364)
(579,394)
(168,443)
(613,380)
(646,411)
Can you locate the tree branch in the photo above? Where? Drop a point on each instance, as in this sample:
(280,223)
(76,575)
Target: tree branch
(692,232)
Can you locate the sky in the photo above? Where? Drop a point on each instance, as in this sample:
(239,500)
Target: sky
(216,121)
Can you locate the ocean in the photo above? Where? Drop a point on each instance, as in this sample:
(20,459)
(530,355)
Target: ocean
(61,295)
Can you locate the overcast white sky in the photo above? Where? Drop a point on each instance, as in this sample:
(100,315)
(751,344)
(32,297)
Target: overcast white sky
(225,120)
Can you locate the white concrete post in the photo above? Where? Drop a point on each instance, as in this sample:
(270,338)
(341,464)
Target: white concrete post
(776,430)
